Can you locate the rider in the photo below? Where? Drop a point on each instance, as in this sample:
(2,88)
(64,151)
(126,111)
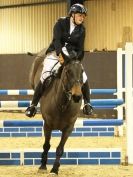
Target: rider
(68,40)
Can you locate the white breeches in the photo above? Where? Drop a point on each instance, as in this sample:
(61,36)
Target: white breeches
(51,63)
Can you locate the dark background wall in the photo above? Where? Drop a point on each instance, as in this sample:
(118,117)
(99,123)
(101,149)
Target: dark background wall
(14,71)
(99,66)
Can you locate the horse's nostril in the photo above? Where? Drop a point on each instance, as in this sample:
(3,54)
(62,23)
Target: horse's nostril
(76,98)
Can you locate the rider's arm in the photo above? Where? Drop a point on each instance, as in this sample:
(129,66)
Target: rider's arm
(80,46)
(57,34)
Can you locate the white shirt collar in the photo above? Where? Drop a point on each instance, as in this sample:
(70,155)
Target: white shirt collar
(72,26)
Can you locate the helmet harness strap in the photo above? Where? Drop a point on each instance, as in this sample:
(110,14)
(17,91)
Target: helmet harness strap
(74,18)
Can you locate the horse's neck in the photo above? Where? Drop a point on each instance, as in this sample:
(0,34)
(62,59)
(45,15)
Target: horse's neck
(61,96)
(59,90)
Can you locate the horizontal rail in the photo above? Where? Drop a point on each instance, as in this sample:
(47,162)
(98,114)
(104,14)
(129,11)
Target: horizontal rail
(30,92)
(94,102)
(40,123)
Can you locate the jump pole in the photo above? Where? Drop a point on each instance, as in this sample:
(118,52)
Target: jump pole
(129,99)
(119,94)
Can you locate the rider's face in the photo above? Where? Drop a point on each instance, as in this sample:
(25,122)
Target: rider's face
(79,18)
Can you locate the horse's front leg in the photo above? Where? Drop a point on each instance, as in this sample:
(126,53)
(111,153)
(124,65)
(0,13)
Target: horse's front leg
(46,147)
(60,150)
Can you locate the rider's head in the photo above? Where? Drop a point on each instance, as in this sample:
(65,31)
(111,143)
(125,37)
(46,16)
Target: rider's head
(77,13)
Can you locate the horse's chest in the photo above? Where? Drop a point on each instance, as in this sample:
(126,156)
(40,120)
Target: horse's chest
(59,123)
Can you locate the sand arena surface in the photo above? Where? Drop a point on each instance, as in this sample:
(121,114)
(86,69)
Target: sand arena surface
(65,170)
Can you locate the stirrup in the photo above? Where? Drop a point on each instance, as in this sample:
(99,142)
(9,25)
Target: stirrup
(87,109)
(31,111)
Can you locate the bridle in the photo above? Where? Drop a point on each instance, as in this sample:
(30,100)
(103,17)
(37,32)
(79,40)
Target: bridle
(67,92)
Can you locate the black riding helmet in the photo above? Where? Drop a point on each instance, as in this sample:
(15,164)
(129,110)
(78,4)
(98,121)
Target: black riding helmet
(77,8)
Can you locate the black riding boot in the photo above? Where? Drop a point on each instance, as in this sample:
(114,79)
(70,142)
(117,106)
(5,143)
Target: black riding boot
(31,110)
(87,109)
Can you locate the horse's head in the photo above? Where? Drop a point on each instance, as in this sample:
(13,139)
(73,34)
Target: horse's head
(72,80)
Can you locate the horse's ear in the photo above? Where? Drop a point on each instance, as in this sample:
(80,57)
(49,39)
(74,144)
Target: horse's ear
(73,55)
(69,54)
(66,62)
(66,58)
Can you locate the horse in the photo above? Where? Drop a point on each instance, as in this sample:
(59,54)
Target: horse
(59,105)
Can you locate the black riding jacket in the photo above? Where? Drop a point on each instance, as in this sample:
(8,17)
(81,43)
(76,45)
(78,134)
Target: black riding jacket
(62,37)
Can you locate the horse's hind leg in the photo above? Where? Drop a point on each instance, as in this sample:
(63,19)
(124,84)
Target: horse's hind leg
(46,147)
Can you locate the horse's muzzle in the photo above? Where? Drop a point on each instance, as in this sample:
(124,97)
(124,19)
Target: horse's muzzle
(76,98)
(76,92)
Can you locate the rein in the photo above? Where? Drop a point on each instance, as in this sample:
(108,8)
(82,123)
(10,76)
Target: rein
(68,95)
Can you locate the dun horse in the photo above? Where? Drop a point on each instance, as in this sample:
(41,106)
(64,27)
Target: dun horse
(60,105)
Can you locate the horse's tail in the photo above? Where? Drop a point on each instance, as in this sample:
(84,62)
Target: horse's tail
(36,68)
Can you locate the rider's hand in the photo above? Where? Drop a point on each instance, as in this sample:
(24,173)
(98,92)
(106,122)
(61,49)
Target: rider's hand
(61,59)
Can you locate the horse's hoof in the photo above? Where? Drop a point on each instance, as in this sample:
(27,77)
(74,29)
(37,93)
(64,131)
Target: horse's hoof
(42,169)
(52,174)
